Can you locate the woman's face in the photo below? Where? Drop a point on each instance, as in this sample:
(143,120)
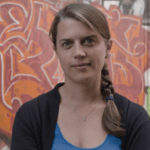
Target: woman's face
(80,50)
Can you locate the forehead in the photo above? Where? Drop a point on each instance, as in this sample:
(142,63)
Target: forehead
(72,29)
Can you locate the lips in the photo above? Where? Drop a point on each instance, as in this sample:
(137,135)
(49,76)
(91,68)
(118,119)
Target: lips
(81,64)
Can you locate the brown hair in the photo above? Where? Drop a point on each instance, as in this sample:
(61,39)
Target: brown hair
(95,20)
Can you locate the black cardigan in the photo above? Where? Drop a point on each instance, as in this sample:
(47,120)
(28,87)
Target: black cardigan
(35,123)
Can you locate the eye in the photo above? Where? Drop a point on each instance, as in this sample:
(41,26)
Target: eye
(89,41)
(67,44)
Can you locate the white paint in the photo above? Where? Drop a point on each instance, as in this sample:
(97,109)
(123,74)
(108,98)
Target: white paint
(2,81)
(18,36)
(36,2)
(30,16)
(124,49)
(39,23)
(16,22)
(16,48)
(9,87)
(1,19)
(131,18)
(46,1)
(29,45)
(11,3)
(14,29)
(42,67)
(53,8)
(122,68)
(115,10)
(26,75)
(16,98)
(141,43)
(35,55)
(139,74)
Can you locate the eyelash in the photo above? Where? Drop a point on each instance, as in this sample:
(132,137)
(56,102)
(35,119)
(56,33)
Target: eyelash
(88,40)
(64,44)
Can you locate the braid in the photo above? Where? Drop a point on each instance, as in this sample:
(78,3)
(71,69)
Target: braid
(106,83)
(111,117)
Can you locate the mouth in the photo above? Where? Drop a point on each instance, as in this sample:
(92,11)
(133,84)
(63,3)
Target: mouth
(81,65)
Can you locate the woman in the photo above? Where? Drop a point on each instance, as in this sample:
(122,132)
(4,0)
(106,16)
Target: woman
(84,112)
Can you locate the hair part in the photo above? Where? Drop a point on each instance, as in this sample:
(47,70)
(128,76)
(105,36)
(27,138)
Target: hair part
(95,20)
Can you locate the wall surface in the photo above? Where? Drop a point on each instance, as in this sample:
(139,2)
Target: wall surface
(29,66)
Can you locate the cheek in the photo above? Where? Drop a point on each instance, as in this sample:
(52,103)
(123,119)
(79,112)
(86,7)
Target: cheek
(99,59)
(60,56)
(63,62)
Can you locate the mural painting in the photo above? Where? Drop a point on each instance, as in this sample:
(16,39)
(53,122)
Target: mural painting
(29,66)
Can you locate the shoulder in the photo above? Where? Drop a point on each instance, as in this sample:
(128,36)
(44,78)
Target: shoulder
(131,112)
(125,104)
(128,106)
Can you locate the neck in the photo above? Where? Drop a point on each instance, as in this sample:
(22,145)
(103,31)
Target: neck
(78,93)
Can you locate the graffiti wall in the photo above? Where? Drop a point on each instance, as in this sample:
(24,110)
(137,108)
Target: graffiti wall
(29,66)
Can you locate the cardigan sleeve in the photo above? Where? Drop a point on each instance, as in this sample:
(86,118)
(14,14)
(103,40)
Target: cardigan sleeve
(23,135)
(138,128)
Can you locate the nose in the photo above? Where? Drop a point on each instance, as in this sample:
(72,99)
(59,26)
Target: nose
(79,51)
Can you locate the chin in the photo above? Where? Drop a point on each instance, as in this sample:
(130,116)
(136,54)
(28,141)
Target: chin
(83,80)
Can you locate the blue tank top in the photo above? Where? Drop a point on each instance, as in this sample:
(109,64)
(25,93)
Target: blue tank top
(60,143)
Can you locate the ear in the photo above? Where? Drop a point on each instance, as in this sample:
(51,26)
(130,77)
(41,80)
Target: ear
(109,45)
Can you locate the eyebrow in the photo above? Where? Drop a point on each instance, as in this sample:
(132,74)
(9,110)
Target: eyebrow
(64,40)
(90,36)
(86,37)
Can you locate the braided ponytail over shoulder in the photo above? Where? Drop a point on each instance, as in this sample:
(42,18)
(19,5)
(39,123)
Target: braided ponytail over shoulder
(111,117)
